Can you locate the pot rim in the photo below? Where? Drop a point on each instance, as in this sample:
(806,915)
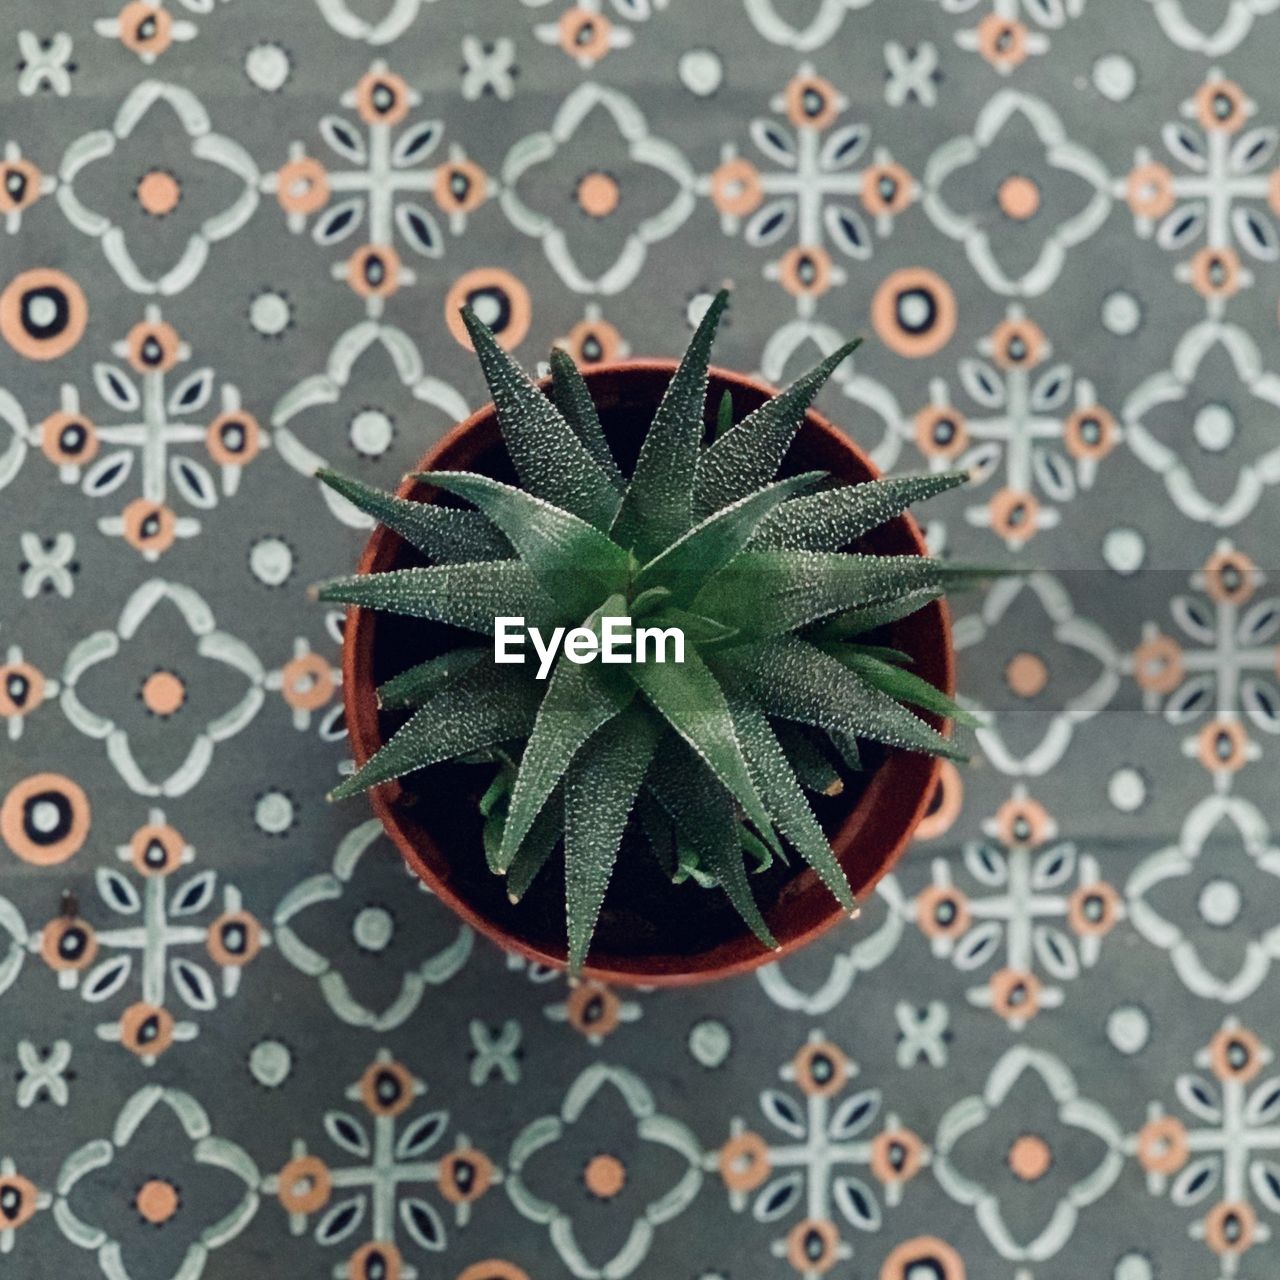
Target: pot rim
(644,970)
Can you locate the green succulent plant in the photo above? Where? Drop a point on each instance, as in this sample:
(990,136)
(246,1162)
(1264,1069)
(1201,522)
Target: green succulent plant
(710,757)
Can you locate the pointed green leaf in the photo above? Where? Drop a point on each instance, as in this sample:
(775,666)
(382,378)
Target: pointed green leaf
(658,829)
(573,561)
(702,811)
(485,706)
(698,630)
(550,460)
(809,762)
(444,534)
(882,651)
(702,552)
(463,595)
(579,699)
(656,508)
(857,622)
(835,518)
(903,686)
(411,687)
(537,847)
(724,414)
(784,799)
(771,592)
(599,791)
(690,699)
(791,678)
(573,398)
(749,455)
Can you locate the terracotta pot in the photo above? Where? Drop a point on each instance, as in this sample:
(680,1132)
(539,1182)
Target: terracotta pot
(672,938)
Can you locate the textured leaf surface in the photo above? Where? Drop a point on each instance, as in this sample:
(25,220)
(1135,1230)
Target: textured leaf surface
(657,506)
(573,398)
(704,817)
(857,622)
(904,686)
(749,455)
(537,847)
(485,706)
(599,791)
(411,687)
(833,519)
(572,560)
(702,552)
(442,533)
(579,699)
(690,699)
(791,678)
(813,768)
(463,595)
(785,800)
(771,592)
(550,460)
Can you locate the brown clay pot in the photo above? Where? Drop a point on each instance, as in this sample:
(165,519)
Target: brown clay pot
(651,933)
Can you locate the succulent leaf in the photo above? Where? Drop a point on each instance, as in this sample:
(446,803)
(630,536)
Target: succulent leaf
(857,622)
(902,686)
(441,533)
(687,564)
(483,707)
(773,592)
(835,518)
(572,560)
(791,678)
(410,688)
(705,821)
(463,595)
(537,847)
(813,768)
(785,800)
(572,397)
(578,700)
(657,506)
(742,459)
(690,699)
(599,791)
(549,458)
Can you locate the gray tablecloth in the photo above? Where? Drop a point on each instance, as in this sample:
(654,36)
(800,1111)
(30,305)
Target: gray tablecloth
(235,1038)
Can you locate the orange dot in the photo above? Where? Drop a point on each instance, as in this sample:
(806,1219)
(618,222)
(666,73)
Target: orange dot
(1026,674)
(158,193)
(1019,198)
(163,693)
(598,194)
(157,1201)
(605,1176)
(306,682)
(1030,1158)
(736,188)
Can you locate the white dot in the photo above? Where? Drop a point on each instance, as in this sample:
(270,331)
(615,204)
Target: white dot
(1214,427)
(1127,789)
(373,928)
(270,1063)
(1124,550)
(271,561)
(701,71)
(1219,903)
(488,308)
(1128,1029)
(42,311)
(44,816)
(710,1042)
(1115,77)
(270,314)
(1121,313)
(1133,1266)
(371,432)
(267,66)
(697,308)
(273,813)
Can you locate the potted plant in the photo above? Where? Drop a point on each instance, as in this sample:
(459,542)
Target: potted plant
(647,821)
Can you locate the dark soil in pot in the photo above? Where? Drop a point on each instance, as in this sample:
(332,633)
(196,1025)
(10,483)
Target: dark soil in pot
(649,930)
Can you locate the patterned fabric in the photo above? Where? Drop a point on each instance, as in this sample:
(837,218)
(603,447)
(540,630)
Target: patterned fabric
(235,1037)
